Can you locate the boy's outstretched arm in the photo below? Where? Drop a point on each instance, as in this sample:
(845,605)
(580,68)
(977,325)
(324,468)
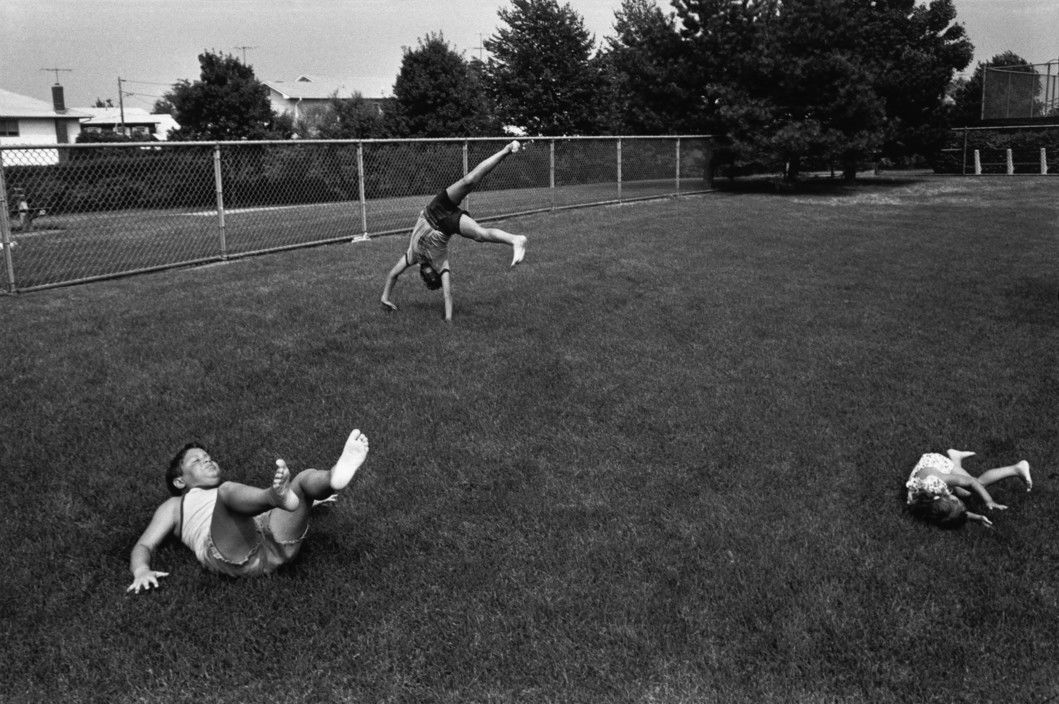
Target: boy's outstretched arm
(162,525)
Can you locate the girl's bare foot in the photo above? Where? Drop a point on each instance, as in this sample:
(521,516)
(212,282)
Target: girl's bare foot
(281,492)
(353,455)
(957,455)
(1023,468)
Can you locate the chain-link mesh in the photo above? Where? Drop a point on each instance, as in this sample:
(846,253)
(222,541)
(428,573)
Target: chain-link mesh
(1020,92)
(83,212)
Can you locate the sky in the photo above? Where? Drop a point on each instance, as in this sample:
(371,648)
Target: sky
(151,44)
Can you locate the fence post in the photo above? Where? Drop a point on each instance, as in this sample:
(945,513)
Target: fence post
(1044,161)
(619,169)
(977,163)
(551,170)
(5,230)
(1011,163)
(361,191)
(964,151)
(218,185)
(678,166)
(466,168)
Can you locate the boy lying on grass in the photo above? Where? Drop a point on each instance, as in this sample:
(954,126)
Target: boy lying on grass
(232,528)
(938,483)
(438,222)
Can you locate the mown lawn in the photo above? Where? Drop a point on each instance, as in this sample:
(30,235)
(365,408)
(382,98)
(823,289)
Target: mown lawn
(660,462)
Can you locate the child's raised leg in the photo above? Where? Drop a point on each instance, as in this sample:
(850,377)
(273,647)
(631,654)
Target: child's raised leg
(232,526)
(459,190)
(1020,470)
(316,485)
(471,229)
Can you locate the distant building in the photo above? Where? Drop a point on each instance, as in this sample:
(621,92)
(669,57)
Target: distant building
(25,120)
(305,92)
(137,122)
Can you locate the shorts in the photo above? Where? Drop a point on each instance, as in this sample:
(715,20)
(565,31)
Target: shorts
(444,215)
(935,461)
(264,558)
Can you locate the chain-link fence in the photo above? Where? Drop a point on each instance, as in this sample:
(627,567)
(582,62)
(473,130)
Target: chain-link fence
(1020,92)
(76,213)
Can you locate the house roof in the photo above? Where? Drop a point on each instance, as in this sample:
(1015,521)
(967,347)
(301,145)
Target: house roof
(310,87)
(133,116)
(15,105)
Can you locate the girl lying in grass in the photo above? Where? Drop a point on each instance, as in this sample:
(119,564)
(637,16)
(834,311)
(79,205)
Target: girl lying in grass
(438,222)
(938,483)
(235,529)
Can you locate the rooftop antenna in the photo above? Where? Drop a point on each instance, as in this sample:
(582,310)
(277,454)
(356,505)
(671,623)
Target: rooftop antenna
(244,48)
(57,70)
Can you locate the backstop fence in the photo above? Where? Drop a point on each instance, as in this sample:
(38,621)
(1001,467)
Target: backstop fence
(1020,92)
(83,212)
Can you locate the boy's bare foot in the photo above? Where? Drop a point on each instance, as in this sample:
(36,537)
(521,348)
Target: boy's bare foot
(387,304)
(353,455)
(281,492)
(957,455)
(1023,468)
(519,248)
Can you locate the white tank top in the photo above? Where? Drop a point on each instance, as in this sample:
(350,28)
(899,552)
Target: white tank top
(196,514)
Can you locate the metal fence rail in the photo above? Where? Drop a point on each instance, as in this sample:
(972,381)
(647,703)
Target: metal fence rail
(78,213)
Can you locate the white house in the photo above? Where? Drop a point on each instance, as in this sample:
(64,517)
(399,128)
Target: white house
(25,120)
(297,97)
(138,123)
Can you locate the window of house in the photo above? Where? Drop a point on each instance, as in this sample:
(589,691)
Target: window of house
(8,128)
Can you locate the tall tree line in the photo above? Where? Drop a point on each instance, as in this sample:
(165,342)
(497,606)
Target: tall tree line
(778,80)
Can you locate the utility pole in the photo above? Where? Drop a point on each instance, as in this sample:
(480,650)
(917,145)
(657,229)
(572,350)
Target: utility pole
(121,104)
(244,48)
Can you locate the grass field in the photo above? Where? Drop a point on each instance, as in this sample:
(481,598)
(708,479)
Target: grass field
(660,462)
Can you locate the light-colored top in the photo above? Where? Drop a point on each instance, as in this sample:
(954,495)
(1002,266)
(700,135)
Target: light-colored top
(931,486)
(196,514)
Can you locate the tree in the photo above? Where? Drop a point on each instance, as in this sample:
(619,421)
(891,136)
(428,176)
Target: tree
(836,80)
(540,72)
(226,103)
(346,118)
(967,107)
(646,63)
(100,104)
(438,94)
(918,50)
(162,106)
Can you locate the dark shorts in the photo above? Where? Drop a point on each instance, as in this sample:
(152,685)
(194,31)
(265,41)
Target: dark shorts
(443,214)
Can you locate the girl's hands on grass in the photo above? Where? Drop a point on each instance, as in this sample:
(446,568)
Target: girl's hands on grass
(993,506)
(145,580)
(981,519)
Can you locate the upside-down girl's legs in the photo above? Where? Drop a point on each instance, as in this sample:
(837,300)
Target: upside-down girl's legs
(459,190)
(471,229)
